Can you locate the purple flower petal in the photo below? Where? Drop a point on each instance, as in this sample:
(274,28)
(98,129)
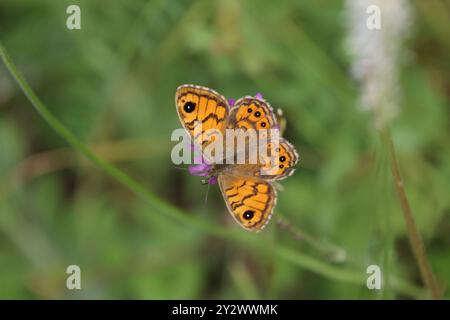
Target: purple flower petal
(231,102)
(198,159)
(258,95)
(196,168)
(212,180)
(200,170)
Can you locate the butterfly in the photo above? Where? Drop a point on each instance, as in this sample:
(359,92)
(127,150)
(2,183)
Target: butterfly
(250,196)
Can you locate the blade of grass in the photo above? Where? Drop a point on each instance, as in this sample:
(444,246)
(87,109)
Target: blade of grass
(414,236)
(301,260)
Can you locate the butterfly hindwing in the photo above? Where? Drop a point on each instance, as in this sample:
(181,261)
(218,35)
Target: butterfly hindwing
(250,201)
(285,164)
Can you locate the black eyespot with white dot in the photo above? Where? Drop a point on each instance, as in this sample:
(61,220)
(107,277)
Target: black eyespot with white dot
(257,114)
(249,110)
(263,124)
(282,159)
(189,107)
(281,166)
(248,214)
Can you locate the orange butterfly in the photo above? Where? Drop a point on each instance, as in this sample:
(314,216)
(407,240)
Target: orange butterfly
(249,195)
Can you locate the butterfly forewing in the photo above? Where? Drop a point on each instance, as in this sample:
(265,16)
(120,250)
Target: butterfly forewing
(201,110)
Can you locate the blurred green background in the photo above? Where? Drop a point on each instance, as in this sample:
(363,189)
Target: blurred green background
(113,83)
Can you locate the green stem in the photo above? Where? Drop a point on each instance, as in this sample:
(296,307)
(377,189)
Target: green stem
(413,233)
(301,260)
(330,251)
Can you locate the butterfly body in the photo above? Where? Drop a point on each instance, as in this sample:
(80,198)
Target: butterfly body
(247,187)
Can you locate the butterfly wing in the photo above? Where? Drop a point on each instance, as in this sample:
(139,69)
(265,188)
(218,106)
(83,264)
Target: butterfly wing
(281,168)
(201,109)
(251,113)
(250,201)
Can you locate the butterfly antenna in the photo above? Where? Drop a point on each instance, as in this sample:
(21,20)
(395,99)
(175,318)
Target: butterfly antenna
(206,196)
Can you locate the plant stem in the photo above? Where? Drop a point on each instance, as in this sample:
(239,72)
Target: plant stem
(329,251)
(415,238)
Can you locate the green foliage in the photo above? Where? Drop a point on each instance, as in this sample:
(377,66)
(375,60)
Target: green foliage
(109,87)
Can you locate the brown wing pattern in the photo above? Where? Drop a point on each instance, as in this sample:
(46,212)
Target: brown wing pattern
(251,113)
(250,201)
(284,166)
(201,109)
